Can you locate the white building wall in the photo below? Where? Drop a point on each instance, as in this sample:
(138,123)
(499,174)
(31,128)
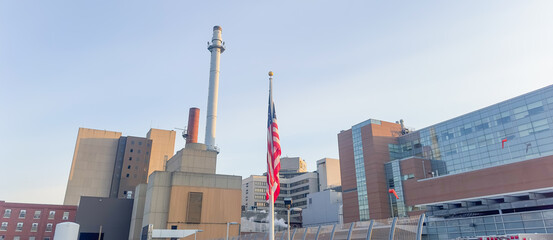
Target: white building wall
(323,208)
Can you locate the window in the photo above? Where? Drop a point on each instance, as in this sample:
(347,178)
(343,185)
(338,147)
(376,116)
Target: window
(37,214)
(22,213)
(46,238)
(4,226)
(127,175)
(34,227)
(65,216)
(52,215)
(32,238)
(7,213)
(139,143)
(16,238)
(129,167)
(132,150)
(19,227)
(130,158)
(48,227)
(194,211)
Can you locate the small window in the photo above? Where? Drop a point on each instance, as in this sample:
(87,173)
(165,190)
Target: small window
(52,215)
(7,213)
(65,216)
(16,238)
(129,167)
(139,143)
(128,175)
(34,227)
(132,142)
(37,214)
(32,238)
(48,227)
(125,192)
(19,227)
(22,213)
(130,158)
(46,238)
(132,150)
(138,151)
(4,226)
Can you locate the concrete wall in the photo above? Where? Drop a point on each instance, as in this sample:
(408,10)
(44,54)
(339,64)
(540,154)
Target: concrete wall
(163,147)
(114,215)
(167,195)
(92,165)
(323,208)
(193,158)
(138,212)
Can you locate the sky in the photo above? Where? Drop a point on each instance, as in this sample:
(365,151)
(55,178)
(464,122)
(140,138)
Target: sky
(128,66)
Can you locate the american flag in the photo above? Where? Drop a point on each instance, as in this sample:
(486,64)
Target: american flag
(273,153)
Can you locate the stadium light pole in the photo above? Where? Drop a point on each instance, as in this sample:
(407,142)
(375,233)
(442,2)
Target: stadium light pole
(297,209)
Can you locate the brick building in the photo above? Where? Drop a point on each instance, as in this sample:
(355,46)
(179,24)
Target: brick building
(24,221)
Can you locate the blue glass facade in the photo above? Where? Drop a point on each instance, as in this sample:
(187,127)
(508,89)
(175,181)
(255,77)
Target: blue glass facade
(511,131)
(360,169)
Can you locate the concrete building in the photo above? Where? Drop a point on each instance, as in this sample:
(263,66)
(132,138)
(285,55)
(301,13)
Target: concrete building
(189,196)
(329,173)
(105,164)
(323,208)
(295,186)
(488,167)
(110,217)
(293,164)
(22,221)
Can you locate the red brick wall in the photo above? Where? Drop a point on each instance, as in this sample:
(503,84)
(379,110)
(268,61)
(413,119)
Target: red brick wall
(29,219)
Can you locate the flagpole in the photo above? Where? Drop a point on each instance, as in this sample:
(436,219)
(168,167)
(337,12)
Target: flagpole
(271,195)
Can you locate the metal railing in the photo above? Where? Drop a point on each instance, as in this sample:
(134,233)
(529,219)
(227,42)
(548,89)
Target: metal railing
(403,228)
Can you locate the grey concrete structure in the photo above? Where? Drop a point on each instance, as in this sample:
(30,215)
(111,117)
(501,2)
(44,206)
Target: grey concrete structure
(323,208)
(92,166)
(292,164)
(193,158)
(112,215)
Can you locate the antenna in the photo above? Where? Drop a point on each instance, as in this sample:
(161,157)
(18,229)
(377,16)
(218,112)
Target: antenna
(184,132)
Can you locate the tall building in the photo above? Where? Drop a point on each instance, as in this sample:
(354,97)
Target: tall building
(22,221)
(106,164)
(489,167)
(329,174)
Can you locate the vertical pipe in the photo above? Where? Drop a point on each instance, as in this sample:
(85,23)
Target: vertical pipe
(193,123)
(393,229)
(350,230)
(419,227)
(295,229)
(216,48)
(370,230)
(332,233)
(318,231)
(305,233)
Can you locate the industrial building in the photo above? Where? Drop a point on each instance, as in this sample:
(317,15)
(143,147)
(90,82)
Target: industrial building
(106,164)
(187,193)
(485,172)
(25,221)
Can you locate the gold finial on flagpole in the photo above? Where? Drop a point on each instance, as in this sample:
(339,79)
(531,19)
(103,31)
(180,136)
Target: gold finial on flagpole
(270,73)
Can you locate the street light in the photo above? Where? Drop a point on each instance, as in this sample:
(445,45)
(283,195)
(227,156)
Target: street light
(228,224)
(288,204)
(196,232)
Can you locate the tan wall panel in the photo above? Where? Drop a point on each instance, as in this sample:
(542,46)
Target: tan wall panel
(219,206)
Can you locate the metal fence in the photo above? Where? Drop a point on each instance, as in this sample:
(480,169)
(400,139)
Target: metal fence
(384,229)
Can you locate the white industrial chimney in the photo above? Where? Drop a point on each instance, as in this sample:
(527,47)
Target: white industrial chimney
(216,48)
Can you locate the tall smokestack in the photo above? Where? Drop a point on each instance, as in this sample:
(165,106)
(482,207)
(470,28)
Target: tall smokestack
(216,48)
(193,123)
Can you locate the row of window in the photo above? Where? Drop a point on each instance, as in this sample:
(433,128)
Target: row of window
(2,237)
(23,214)
(19,227)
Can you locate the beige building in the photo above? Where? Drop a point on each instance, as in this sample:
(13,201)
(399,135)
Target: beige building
(189,195)
(329,173)
(292,164)
(106,164)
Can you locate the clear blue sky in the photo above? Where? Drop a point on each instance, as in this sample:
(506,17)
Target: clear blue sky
(130,65)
